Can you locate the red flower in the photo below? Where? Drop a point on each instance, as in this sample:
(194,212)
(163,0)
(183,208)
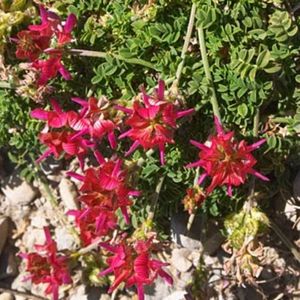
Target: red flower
(193,199)
(63,141)
(30,44)
(64,33)
(49,68)
(49,24)
(225,160)
(106,187)
(133,265)
(94,222)
(55,119)
(48,267)
(152,122)
(95,119)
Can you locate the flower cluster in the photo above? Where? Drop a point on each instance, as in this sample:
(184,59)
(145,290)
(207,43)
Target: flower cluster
(225,160)
(104,190)
(46,39)
(48,267)
(72,132)
(132,264)
(152,122)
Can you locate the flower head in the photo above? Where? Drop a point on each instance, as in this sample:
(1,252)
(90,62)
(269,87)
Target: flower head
(225,160)
(152,122)
(195,196)
(48,266)
(133,265)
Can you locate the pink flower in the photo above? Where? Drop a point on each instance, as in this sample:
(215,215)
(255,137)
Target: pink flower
(152,122)
(94,222)
(55,119)
(63,141)
(30,44)
(64,33)
(49,68)
(225,160)
(48,267)
(95,119)
(133,265)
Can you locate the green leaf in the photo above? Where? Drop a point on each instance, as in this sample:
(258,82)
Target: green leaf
(263,59)
(242,110)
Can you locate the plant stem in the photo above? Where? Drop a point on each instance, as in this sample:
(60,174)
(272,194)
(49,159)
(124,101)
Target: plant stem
(251,202)
(90,53)
(213,99)
(155,197)
(185,45)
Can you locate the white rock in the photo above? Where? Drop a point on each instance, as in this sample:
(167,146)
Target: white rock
(68,194)
(6,296)
(178,295)
(38,220)
(20,284)
(180,259)
(18,191)
(182,237)
(3,231)
(105,297)
(33,236)
(79,293)
(64,239)
(296,187)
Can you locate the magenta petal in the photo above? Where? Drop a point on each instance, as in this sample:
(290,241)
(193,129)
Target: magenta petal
(256,145)
(64,73)
(184,113)
(112,140)
(198,145)
(123,109)
(75,175)
(39,114)
(125,134)
(201,178)
(218,125)
(132,148)
(162,155)
(43,14)
(70,23)
(44,155)
(165,276)
(257,174)
(80,101)
(140,290)
(99,157)
(194,164)
(229,190)
(125,215)
(161,90)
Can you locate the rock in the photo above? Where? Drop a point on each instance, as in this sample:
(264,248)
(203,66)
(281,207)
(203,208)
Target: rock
(178,295)
(38,220)
(20,284)
(33,236)
(3,232)
(158,290)
(64,239)
(68,194)
(213,243)
(7,296)
(79,293)
(195,258)
(296,187)
(182,237)
(18,191)
(105,297)
(180,259)
(8,264)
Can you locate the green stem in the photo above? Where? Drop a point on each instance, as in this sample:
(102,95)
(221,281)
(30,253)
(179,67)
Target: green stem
(6,85)
(155,198)
(90,53)
(213,99)
(251,201)
(185,45)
